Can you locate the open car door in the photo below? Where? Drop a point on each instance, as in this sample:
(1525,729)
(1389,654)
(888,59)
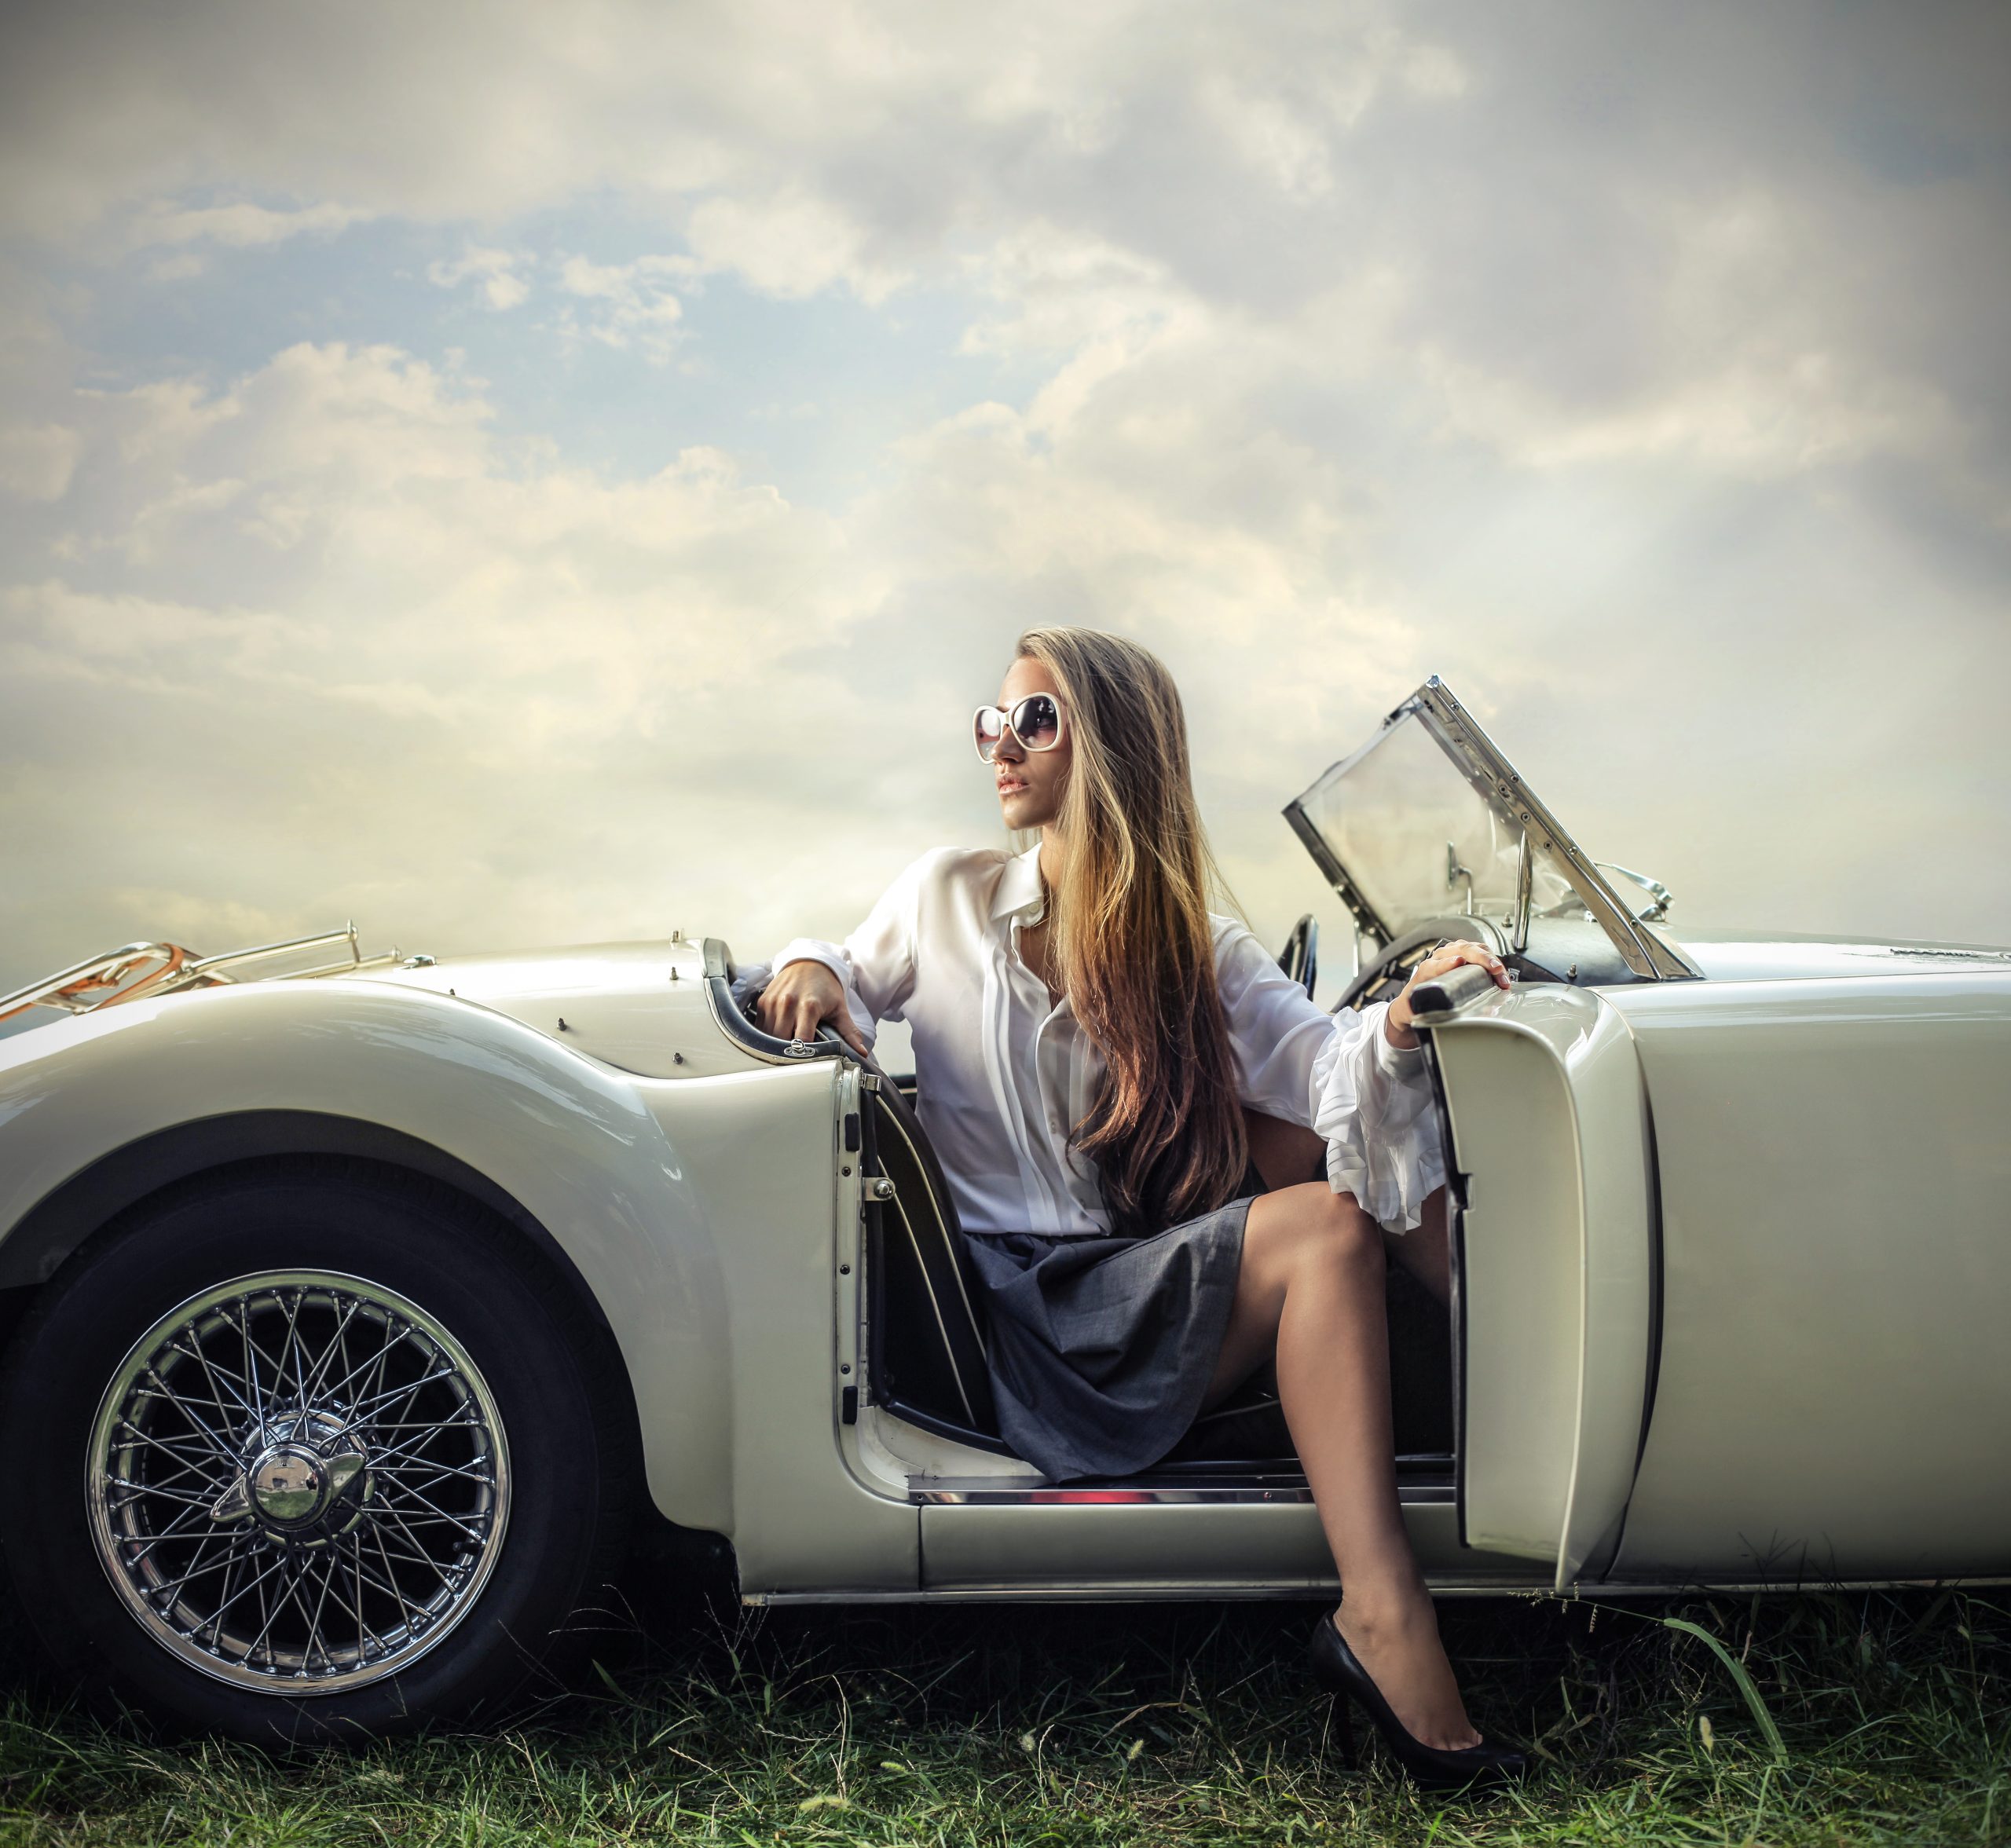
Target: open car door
(1553,1260)
(1550,1142)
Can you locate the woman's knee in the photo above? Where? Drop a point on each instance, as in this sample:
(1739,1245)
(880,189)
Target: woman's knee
(1349,1237)
(1330,1232)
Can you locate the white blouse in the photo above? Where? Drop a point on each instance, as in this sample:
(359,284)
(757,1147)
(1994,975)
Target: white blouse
(1003,1073)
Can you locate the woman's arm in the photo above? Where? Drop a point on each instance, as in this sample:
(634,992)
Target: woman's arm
(1357,1076)
(855,984)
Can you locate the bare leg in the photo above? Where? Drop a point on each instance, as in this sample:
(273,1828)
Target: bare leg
(1311,1287)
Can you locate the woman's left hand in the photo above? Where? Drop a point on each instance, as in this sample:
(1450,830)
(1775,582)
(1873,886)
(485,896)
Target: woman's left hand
(1397,1022)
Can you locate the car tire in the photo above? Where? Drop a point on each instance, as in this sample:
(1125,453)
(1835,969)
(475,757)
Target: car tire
(220,1339)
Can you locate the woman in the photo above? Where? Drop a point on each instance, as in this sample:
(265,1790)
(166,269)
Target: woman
(1085,1035)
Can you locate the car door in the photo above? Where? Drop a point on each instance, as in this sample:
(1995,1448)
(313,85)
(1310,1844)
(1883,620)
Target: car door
(1552,1153)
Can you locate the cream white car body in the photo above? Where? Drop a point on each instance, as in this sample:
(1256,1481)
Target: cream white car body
(1733,1260)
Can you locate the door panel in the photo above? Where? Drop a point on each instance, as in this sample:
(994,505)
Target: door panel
(1550,1127)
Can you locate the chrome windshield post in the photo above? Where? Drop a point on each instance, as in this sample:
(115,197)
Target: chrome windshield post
(1519,934)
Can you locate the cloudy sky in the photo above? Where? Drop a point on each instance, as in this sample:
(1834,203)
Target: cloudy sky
(547,474)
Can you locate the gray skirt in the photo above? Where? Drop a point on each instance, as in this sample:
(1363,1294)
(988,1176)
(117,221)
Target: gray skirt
(1101,1348)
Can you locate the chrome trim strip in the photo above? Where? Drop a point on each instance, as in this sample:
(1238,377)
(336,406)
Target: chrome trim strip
(983,1491)
(230,958)
(1149,1591)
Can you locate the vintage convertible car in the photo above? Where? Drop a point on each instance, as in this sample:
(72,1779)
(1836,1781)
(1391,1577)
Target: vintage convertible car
(359,1320)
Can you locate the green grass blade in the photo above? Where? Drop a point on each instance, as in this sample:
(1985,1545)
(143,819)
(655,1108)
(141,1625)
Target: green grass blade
(1736,1669)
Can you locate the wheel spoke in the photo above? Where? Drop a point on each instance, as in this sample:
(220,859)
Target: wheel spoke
(412,1391)
(439,1513)
(310,1641)
(363,1629)
(291,1344)
(390,1586)
(257,1404)
(409,1449)
(438,1472)
(144,1491)
(202,1570)
(134,1435)
(145,1543)
(310,1388)
(425,1556)
(250,1586)
(268,1611)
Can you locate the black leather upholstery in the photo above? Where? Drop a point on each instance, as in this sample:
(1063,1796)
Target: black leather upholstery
(928,1336)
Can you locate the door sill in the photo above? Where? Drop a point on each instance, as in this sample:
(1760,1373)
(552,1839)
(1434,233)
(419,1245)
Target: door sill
(1421,1482)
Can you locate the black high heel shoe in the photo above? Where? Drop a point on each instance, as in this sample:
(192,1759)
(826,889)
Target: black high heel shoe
(1335,1666)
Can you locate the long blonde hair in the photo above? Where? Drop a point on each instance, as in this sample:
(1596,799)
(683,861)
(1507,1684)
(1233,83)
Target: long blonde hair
(1130,932)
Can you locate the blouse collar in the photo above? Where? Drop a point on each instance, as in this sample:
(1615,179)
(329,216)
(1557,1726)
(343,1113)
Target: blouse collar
(1019,894)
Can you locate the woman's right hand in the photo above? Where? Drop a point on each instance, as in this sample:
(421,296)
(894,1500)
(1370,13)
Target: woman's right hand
(799,997)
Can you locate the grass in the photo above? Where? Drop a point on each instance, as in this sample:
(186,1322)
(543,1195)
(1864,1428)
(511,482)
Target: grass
(1156,1725)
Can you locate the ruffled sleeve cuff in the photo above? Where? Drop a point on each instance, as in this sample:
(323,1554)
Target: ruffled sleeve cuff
(1375,1110)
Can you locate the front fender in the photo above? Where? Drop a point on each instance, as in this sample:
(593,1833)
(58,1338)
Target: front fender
(571,1141)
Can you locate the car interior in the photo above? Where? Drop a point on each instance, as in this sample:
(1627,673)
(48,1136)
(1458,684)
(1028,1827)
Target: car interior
(926,1335)
(926,1362)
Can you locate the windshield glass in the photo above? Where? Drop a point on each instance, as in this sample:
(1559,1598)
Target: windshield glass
(1427,821)
(1416,839)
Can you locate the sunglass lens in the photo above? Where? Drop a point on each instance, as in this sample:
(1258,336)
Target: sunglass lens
(1037,722)
(989,726)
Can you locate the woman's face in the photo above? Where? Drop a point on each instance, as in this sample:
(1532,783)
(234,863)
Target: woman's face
(1030,782)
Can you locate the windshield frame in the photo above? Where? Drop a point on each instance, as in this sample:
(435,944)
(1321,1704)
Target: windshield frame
(1449,724)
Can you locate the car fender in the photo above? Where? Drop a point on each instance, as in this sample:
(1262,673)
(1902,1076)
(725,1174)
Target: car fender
(569,1141)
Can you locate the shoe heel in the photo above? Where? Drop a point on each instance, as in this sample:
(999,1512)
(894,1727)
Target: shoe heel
(1344,1728)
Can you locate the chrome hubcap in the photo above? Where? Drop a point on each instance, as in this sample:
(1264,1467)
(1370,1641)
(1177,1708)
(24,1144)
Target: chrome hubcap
(286,1486)
(298,1482)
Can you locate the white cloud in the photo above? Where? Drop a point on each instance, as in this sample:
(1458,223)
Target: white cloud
(495,272)
(241,226)
(789,243)
(626,304)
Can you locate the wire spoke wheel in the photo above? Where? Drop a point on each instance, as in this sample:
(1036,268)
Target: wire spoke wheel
(298,1482)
